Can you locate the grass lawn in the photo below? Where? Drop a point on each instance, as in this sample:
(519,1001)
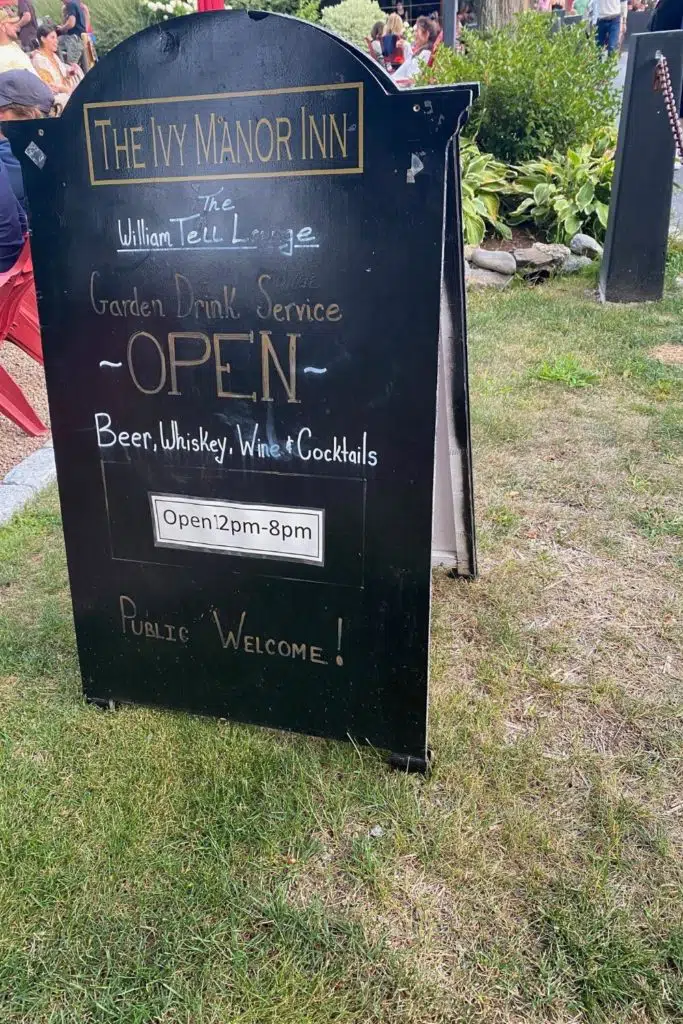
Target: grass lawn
(160,869)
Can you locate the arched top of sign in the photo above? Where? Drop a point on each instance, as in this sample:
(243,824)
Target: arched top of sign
(231,51)
(242,94)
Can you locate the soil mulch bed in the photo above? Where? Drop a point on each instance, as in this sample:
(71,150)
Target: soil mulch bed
(521,239)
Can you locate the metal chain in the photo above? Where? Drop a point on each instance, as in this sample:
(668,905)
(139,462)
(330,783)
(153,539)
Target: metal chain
(663,83)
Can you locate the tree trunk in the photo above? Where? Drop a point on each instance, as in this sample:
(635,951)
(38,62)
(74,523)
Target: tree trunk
(496,13)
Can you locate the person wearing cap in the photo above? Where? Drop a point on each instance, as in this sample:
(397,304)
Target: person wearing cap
(22,97)
(12,57)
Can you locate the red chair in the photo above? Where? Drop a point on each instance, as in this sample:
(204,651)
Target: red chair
(437,43)
(17,293)
(25,331)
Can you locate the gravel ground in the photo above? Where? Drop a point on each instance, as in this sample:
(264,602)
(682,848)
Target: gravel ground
(14,443)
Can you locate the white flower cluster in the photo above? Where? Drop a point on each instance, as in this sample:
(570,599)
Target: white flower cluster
(165,9)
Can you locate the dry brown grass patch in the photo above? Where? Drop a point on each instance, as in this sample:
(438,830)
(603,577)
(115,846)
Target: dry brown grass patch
(672,354)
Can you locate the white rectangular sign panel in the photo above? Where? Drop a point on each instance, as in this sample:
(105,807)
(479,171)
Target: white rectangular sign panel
(235,528)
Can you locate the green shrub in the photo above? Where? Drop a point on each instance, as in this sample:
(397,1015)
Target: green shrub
(277,6)
(541,90)
(52,10)
(485,181)
(157,11)
(308,10)
(567,192)
(115,20)
(352,19)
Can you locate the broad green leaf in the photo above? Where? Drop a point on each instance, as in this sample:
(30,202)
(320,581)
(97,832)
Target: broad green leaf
(585,196)
(478,165)
(602,212)
(523,206)
(494,182)
(562,206)
(492,205)
(542,194)
(475,229)
(572,224)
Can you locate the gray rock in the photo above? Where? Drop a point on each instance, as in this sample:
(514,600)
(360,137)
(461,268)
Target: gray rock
(12,499)
(584,245)
(679,281)
(541,256)
(35,472)
(572,264)
(492,259)
(376,831)
(478,278)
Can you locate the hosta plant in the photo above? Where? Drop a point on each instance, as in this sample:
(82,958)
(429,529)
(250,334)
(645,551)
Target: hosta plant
(568,192)
(485,181)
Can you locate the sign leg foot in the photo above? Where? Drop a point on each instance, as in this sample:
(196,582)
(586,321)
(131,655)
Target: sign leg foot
(103,703)
(410,763)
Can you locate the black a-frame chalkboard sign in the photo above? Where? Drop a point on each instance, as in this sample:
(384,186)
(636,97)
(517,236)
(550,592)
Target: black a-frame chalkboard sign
(238,239)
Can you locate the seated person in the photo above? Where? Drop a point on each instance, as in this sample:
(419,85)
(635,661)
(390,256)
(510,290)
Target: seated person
(13,168)
(59,77)
(23,96)
(466,14)
(13,225)
(374,40)
(12,57)
(426,33)
(395,49)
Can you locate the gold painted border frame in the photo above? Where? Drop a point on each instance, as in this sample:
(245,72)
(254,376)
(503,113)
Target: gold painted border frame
(359,86)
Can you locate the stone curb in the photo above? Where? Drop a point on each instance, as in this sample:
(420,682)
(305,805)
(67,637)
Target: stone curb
(28,478)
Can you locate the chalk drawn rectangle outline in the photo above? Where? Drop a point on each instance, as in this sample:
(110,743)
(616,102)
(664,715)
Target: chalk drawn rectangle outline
(292,579)
(227,95)
(251,506)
